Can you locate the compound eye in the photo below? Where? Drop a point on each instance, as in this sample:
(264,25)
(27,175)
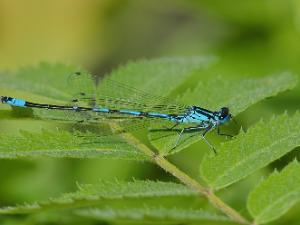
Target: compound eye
(224,112)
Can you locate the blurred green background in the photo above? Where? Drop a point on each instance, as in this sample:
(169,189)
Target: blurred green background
(251,38)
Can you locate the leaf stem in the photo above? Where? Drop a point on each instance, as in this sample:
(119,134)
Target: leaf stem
(187,180)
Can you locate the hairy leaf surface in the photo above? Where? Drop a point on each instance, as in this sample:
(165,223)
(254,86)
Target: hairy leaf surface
(276,195)
(45,80)
(248,152)
(65,144)
(145,213)
(217,92)
(88,195)
(238,94)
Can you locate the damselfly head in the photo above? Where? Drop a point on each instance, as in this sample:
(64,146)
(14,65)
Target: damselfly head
(224,115)
(3,99)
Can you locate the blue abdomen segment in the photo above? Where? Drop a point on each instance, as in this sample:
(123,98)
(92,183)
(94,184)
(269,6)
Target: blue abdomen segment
(16,102)
(129,112)
(101,110)
(157,115)
(132,113)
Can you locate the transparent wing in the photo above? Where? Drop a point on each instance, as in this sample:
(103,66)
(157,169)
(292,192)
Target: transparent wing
(115,95)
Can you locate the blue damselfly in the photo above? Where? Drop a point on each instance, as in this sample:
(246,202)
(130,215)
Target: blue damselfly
(197,119)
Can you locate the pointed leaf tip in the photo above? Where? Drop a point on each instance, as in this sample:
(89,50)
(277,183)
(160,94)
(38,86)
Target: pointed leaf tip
(274,196)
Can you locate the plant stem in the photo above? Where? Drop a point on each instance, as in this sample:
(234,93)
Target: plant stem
(190,182)
(187,180)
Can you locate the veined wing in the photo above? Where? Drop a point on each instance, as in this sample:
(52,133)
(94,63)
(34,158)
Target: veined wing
(115,95)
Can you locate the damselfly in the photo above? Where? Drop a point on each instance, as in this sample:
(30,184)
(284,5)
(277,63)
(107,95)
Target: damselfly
(196,118)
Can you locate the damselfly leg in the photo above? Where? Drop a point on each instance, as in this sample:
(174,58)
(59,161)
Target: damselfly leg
(196,128)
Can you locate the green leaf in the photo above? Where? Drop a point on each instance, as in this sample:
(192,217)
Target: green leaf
(65,144)
(59,84)
(158,76)
(238,94)
(151,214)
(216,92)
(88,195)
(276,195)
(45,79)
(55,81)
(248,152)
(140,82)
